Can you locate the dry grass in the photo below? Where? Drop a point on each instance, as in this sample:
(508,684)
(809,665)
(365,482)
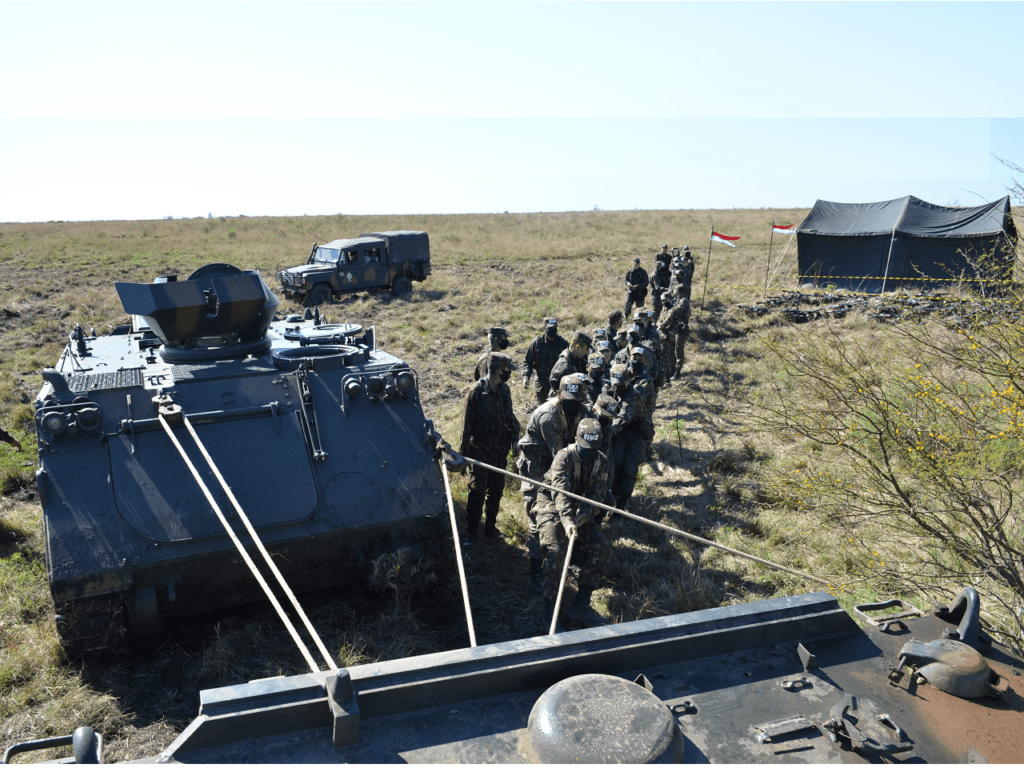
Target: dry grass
(503,269)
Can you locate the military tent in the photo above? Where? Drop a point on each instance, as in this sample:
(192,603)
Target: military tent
(905,242)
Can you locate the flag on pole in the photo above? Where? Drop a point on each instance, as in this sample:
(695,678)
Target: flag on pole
(719,238)
(783,229)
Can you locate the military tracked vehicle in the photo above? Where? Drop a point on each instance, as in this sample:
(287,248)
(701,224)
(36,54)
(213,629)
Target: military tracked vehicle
(785,680)
(206,406)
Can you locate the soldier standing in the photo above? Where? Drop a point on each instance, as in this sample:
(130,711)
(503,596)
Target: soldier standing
(571,360)
(597,368)
(688,269)
(547,433)
(541,356)
(497,341)
(489,427)
(614,325)
(676,327)
(660,279)
(636,286)
(630,427)
(581,469)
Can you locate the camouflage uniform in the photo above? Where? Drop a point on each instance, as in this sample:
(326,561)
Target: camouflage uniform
(540,358)
(546,434)
(676,327)
(591,550)
(688,268)
(636,286)
(568,363)
(659,284)
(489,427)
(630,430)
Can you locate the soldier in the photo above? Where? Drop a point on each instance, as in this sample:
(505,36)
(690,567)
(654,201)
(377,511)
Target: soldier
(581,469)
(652,340)
(547,433)
(631,425)
(636,286)
(614,325)
(597,367)
(489,427)
(676,327)
(688,269)
(571,360)
(604,348)
(541,356)
(497,341)
(660,279)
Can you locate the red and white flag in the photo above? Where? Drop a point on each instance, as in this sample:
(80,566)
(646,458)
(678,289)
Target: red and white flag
(716,237)
(782,229)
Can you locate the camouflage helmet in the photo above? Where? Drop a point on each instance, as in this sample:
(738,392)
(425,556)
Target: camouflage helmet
(588,433)
(636,260)
(497,361)
(596,361)
(600,333)
(686,249)
(667,295)
(635,330)
(570,387)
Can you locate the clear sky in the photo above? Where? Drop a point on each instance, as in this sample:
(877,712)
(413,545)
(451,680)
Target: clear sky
(149,110)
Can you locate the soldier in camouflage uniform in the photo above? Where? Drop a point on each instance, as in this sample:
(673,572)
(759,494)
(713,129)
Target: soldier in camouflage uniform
(676,327)
(636,286)
(497,341)
(597,368)
(615,320)
(660,279)
(579,468)
(629,429)
(688,269)
(547,433)
(489,427)
(571,360)
(541,357)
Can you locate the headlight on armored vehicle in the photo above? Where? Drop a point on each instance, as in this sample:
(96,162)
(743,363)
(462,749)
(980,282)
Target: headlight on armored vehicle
(405,382)
(375,386)
(88,419)
(54,423)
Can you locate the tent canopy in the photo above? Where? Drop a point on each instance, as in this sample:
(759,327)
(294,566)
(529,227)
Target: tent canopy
(862,245)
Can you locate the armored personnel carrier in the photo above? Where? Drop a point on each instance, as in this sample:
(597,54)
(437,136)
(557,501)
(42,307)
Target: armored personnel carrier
(207,420)
(785,680)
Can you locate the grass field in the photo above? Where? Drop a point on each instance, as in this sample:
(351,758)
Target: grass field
(708,474)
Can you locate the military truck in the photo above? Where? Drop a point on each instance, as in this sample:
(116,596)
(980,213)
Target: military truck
(372,260)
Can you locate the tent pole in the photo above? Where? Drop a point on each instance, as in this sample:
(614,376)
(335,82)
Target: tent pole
(888,259)
(768,267)
(707,268)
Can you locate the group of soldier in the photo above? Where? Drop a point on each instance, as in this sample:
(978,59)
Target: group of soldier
(590,431)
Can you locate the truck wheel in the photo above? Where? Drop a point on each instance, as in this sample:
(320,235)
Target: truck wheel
(402,286)
(321,294)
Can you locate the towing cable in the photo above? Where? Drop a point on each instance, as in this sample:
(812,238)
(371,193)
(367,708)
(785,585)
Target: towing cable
(456,459)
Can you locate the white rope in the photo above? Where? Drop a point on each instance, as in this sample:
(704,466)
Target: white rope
(666,528)
(458,556)
(241,550)
(561,584)
(259,545)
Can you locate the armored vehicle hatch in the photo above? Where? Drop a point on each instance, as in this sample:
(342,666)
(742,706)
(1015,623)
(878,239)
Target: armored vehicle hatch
(317,435)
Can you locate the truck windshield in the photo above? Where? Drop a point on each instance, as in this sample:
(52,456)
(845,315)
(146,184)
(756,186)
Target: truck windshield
(326,256)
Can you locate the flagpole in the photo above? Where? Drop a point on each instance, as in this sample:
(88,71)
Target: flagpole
(707,269)
(768,268)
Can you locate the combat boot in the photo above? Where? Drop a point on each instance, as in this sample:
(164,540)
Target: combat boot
(549,611)
(536,582)
(581,612)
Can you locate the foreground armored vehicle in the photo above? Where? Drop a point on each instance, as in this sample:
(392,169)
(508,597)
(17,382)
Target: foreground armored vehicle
(375,260)
(786,680)
(204,400)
